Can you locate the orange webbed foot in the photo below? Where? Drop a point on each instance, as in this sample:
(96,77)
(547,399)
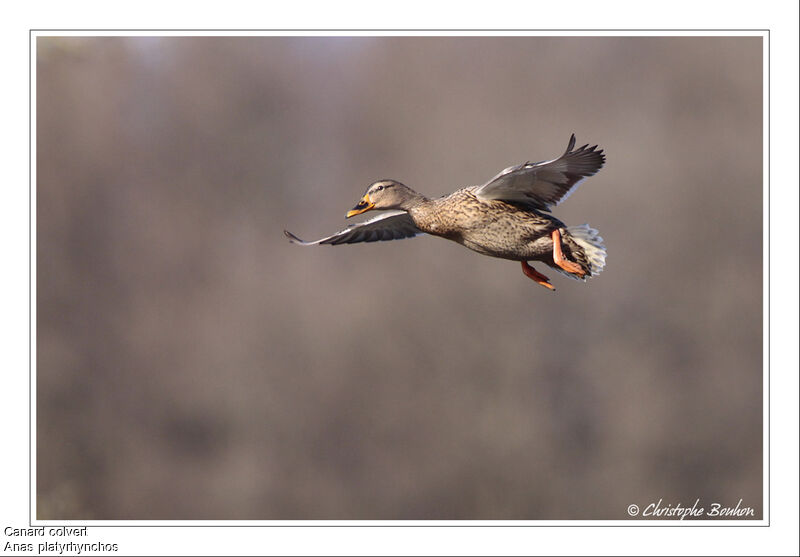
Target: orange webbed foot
(536,276)
(560,260)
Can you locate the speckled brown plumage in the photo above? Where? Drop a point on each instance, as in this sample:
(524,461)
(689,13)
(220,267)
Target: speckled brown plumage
(490,227)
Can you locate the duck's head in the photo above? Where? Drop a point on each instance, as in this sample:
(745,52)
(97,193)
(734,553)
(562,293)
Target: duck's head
(384,194)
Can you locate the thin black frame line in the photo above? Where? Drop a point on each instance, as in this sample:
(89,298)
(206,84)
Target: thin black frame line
(30,275)
(437,30)
(649,524)
(768,344)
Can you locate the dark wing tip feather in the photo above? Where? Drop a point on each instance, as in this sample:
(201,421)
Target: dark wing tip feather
(292,238)
(586,155)
(585,151)
(571,143)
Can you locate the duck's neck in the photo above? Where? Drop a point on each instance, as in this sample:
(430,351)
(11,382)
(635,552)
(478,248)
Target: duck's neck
(413,201)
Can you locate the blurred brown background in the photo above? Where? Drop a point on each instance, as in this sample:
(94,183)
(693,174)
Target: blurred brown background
(192,364)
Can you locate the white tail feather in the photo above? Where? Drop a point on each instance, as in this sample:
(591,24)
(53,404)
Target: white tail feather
(592,243)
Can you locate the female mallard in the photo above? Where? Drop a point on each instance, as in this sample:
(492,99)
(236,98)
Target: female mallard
(506,217)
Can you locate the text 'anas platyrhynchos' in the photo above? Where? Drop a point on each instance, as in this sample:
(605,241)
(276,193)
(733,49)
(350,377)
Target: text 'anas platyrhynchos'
(507,217)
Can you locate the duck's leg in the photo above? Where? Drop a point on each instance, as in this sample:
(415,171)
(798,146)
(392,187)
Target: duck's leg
(560,260)
(536,276)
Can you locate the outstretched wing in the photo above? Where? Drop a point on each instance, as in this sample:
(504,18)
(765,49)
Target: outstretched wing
(394,225)
(543,185)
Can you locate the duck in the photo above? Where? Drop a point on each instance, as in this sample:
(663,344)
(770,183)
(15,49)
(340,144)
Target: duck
(507,217)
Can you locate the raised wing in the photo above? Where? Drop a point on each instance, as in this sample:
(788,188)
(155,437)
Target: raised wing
(394,225)
(543,185)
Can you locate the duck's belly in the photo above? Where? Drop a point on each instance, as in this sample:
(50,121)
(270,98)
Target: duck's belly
(519,236)
(517,245)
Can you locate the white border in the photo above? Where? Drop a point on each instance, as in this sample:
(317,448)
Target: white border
(765,347)
(33,297)
(781,538)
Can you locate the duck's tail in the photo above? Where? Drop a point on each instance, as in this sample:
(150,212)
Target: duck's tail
(589,241)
